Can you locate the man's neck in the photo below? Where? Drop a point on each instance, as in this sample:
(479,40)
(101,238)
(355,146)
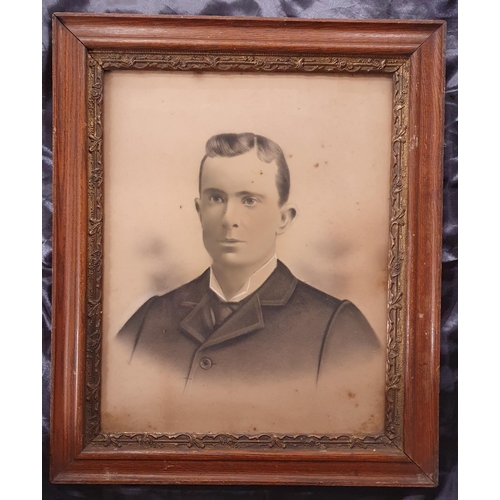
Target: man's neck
(233,280)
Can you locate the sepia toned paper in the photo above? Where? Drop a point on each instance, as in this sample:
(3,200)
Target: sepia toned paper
(335,132)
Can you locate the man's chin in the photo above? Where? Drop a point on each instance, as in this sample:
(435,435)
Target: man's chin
(230,259)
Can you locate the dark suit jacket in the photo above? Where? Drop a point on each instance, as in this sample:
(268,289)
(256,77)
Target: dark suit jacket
(285,329)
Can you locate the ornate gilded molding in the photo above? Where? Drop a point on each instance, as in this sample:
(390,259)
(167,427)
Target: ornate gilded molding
(99,61)
(95,255)
(235,62)
(261,441)
(395,322)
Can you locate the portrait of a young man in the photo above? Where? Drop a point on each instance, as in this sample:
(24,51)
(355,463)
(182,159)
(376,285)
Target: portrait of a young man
(247,317)
(246,252)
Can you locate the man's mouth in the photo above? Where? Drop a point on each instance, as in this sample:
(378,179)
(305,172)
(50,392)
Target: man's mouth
(230,241)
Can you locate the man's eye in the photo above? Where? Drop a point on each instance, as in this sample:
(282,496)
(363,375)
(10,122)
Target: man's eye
(215,198)
(249,201)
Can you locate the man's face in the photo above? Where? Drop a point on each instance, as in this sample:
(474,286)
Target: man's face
(239,210)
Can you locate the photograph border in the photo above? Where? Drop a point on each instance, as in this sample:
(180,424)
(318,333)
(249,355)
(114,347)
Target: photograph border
(413,53)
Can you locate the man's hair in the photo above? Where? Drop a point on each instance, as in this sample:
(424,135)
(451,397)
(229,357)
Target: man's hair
(229,145)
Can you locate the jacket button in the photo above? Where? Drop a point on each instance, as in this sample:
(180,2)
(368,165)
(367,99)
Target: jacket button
(206,363)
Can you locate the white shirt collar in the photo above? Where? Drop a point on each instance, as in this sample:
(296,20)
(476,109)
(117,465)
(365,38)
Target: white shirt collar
(255,281)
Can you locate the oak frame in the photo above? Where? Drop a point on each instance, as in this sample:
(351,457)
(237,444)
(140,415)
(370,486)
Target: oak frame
(81,45)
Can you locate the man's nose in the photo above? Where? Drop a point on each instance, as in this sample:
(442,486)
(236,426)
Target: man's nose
(231,215)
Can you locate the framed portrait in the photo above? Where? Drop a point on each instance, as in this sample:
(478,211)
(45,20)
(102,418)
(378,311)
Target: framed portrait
(247,245)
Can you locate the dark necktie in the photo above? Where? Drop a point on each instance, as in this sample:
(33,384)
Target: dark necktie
(222,310)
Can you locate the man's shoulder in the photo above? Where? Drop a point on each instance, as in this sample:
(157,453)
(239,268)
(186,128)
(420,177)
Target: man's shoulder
(169,307)
(301,295)
(340,311)
(189,293)
(343,327)
(306,292)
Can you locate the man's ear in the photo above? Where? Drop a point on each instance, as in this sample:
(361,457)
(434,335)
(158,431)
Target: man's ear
(197,202)
(288,213)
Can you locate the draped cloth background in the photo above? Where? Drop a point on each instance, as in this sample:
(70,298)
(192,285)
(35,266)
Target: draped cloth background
(362,9)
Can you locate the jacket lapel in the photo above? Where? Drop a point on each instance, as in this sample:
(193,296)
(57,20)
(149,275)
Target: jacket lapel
(245,320)
(199,323)
(276,291)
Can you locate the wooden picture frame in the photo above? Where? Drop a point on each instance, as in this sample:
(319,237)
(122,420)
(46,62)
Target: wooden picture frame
(84,47)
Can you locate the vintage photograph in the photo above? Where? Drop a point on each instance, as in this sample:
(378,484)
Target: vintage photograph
(246,239)
(247,251)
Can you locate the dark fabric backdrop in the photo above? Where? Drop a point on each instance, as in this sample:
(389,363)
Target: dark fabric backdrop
(362,9)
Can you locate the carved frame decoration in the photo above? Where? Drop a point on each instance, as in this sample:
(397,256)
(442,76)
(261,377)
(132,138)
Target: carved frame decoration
(98,62)
(90,447)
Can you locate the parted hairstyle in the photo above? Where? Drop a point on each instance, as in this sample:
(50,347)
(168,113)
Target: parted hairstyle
(229,145)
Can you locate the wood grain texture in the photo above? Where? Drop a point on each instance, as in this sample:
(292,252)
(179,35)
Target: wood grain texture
(247,469)
(424,228)
(422,43)
(69,235)
(122,32)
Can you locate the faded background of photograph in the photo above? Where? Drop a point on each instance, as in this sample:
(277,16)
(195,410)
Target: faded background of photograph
(335,131)
(363,9)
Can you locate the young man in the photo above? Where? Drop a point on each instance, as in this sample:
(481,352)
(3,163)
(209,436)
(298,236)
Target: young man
(247,319)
